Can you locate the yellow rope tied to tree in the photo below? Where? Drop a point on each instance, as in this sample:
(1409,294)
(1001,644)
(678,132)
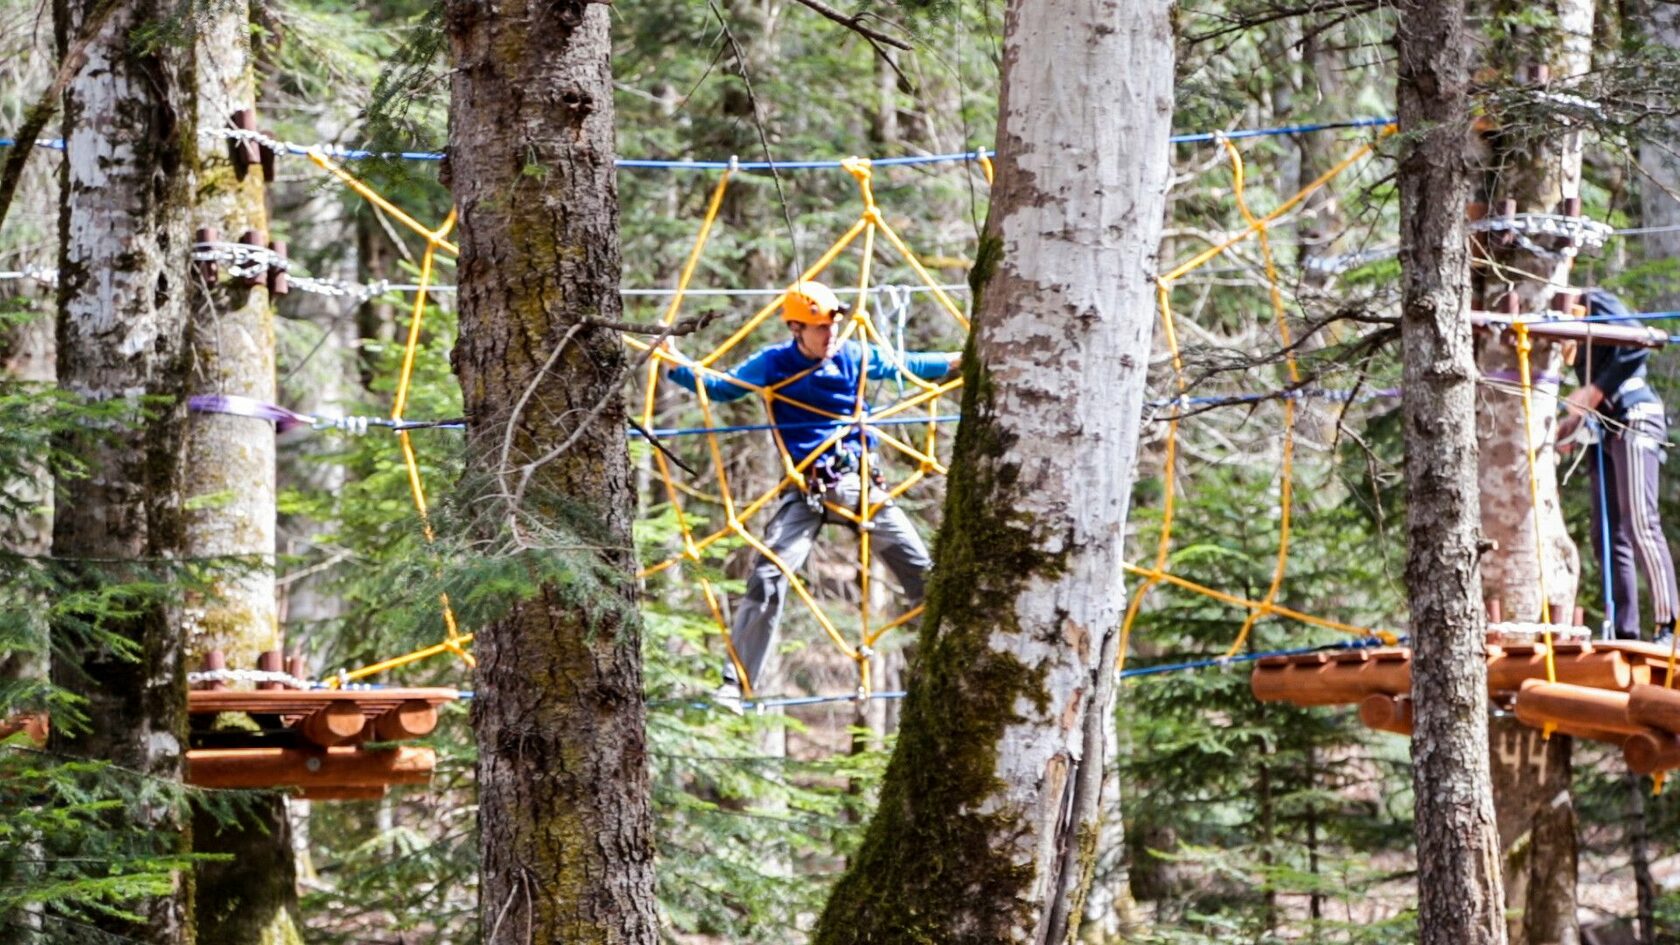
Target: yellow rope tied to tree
(1254,226)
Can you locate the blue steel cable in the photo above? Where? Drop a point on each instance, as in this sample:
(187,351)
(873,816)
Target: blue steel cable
(1360,644)
(355,154)
(1605,556)
(787,701)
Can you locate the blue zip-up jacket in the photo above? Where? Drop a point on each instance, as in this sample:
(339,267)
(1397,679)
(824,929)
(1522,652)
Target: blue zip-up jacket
(1617,371)
(831,387)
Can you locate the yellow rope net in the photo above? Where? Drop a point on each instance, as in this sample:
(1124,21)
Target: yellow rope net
(870,234)
(1256,228)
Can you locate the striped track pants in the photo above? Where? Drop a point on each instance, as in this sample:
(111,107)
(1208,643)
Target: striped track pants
(1631,459)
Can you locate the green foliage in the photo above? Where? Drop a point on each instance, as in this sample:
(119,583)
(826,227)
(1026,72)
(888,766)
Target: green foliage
(71,845)
(1237,810)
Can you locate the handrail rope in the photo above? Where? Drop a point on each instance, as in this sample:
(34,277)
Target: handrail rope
(1286,472)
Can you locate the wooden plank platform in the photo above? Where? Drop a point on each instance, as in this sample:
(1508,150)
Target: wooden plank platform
(1609,691)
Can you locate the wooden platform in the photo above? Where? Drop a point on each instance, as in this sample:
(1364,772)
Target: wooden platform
(322,744)
(314,741)
(1612,691)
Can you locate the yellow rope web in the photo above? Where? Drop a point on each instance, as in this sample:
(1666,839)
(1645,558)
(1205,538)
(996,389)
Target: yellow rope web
(871,232)
(1256,228)
(868,233)
(455,641)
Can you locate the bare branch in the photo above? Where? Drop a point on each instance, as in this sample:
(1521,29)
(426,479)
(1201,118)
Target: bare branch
(853,23)
(682,326)
(36,118)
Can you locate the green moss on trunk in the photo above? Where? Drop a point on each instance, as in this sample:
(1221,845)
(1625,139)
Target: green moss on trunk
(937,864)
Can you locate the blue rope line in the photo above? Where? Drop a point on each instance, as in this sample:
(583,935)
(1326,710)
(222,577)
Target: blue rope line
(778,702)
(1605,553)
(1242,133)
(356,154)
(1360,644)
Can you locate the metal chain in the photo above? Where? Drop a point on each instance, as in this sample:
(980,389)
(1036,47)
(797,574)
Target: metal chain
(249,675)
(1578,232)
(1529,632)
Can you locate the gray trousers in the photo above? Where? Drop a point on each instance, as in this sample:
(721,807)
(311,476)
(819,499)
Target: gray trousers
(1627,497)
(791,533)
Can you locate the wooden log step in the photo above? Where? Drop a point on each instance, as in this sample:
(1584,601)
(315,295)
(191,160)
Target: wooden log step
(1387,713)
(412,719)
(1564,705)
(1655,706)
(1650,752)
(334,724)
(1335,683)
(340,794)
(341,767)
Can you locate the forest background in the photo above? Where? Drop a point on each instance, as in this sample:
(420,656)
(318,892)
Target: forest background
(1243,821)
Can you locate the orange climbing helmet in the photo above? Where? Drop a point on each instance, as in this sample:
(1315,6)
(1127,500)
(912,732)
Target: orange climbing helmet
(811,303)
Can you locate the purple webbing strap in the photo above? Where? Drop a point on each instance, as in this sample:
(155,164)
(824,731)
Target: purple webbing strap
(1515,377)
(238,406)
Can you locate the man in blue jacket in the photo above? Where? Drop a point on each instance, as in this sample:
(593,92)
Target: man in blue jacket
(814,368)
(1632,433)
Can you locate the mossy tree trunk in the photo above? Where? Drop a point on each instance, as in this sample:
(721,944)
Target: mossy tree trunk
(1459,891)
(124,258)
(988,820)
(564,814)
(230,488)
(1534,160)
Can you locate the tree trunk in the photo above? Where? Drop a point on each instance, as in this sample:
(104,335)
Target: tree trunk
(230,487)
(1657,206)
(1459,896)
(988,816)
(1538,166)
(565,819)
(124,260)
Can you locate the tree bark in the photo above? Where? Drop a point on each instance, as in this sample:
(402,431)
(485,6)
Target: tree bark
(124,259)
(1537,166)
(1459,894)
(565,819)
(988,817)
(230,488)
(1660,23)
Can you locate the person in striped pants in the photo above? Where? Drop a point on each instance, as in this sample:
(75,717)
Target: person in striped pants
(1632,440)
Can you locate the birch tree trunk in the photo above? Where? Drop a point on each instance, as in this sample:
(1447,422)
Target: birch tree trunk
(565,819)
(1459,894)
(989,810)
(1660,23)
(230,486)
(1538,167)
(124,259)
